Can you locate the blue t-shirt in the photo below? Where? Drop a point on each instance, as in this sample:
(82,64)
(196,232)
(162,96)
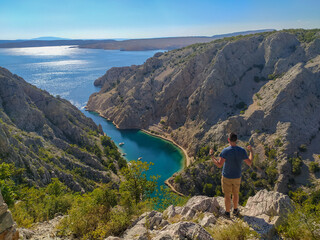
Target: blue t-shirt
(234,157)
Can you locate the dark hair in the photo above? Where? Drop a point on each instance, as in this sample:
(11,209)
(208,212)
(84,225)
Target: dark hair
(233,137)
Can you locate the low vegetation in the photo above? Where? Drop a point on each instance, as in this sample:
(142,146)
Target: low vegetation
(236,231)
(107,210)
(304,222)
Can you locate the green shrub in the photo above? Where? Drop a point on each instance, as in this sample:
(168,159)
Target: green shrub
(241,105)
(42,204)
(136,183)
(271,153)
(178,179)
(7,186)
(303,223)
(303,148)
(296,164)
(208,189)
(106,141)
(314,167)
(164,197)
(88,212)
(278,142)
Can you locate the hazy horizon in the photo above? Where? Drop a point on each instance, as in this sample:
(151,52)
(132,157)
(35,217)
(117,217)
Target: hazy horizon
(134,19)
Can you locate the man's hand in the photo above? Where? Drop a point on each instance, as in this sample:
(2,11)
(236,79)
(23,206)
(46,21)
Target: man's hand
(250,159)
(211,151)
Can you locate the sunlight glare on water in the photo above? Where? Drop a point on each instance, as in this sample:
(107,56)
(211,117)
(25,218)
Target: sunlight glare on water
(70,73)
(44,51)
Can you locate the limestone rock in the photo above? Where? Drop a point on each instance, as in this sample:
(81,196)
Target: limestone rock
(266,210)
(183,230)
(268,202)
(26,233)
(255,86)
(112,238)
(7,225)
(203,204)
(208,220)
(47,135)
(195,205)
(145,223)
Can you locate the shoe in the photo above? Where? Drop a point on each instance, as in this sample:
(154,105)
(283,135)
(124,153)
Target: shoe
(236,212)
(226,215)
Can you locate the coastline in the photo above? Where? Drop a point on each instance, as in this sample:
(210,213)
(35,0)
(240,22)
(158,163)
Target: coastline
(187,160)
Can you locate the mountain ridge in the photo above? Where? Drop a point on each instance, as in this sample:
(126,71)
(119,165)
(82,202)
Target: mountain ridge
(245,84)
(49,138)
(165,43)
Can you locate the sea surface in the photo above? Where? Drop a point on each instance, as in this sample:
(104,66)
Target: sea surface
(69,72)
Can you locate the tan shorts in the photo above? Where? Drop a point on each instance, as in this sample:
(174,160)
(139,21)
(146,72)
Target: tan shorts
(230,186)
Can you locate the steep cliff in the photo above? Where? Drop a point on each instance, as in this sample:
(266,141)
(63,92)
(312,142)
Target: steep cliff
(265,87)
(48,137)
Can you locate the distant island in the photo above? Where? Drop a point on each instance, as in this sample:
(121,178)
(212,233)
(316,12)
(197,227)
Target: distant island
(168,43)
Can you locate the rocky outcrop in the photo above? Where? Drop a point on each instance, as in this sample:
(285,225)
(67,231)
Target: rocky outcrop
(49,138)
(7,225)
(262,213)
(43,230)
(267,210)
(264,87)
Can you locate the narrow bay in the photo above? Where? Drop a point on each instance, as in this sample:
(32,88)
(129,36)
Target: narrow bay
(70,72)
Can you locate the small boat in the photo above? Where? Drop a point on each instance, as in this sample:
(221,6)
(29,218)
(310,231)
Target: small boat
(139,158)
(122,143)
(123,154)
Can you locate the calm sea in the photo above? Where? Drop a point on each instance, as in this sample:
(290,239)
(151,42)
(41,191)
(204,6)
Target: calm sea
(70,72)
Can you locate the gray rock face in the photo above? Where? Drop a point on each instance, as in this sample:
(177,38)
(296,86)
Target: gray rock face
(183,230)
(195,205)
(266,210)
(208,219)
(254,86)
(46,136)
(268,202)
(7,225)
(144,226)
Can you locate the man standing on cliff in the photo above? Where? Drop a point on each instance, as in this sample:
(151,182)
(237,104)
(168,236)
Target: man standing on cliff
(231,159)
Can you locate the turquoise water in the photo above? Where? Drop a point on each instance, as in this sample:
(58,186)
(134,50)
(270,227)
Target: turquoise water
(70,73)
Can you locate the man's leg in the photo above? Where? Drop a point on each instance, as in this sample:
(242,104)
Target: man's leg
(235,194)
(227,202)
(235,199)
(226,189)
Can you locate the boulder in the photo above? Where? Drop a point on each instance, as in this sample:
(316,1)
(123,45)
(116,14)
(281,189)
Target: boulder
(270,203)
(193,206)
(7,225)
(203,204)
(112,238)
(144,225)
(208,219)
(266,210)
(183,230)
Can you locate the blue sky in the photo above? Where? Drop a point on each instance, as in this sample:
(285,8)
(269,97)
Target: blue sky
(150,18)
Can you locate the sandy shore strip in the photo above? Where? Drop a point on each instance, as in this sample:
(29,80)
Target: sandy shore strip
(173,189)
(187,160)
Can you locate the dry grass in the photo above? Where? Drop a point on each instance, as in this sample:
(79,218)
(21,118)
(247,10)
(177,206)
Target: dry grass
(235,231)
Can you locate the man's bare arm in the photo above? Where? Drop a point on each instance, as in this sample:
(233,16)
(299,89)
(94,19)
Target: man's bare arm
(219,163)
(249,160)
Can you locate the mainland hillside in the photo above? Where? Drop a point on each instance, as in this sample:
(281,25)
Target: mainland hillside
(45,137)
(264,86)
(168,43)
